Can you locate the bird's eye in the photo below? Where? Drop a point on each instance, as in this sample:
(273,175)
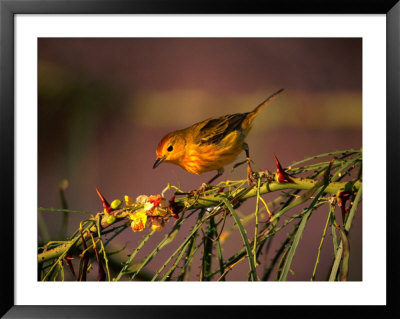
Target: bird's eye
(170,148)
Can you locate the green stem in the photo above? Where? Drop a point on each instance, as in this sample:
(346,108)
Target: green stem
(62,210)
(344,152)
(102,247)
(64,248)
(353,210)
(191,250)
(43,228)
(347,227)
(256,222)
(169,273)
(133,255)
(279,252)
(321,184)
(65,216)
(268,187)
(322,242)
(167,239)
(297,237)
(208,245)
(181,247)
(244,237)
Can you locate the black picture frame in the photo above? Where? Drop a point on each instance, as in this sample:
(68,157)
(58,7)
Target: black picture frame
(8,10)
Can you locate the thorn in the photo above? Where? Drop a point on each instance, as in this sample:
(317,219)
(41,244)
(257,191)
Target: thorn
(342,197)
(281,175)
(69,264)
(174,208)
(106,205)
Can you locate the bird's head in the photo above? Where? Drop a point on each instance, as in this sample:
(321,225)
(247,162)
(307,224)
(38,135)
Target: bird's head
(170,149)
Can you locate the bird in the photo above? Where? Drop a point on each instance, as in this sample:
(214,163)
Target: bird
(210,144)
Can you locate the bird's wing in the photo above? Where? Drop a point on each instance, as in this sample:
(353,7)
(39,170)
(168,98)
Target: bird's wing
(214,130)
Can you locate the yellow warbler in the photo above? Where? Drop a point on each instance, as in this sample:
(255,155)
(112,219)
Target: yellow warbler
(211,144)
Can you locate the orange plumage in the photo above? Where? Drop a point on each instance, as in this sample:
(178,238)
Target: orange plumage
(211,144)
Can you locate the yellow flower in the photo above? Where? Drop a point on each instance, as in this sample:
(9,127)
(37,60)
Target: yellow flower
(148,206)
(139,219)
(157,224)
(160,205)
(142,199)
(158,211)
(128,200)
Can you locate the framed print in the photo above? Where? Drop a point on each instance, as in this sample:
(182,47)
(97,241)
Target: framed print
(131,174)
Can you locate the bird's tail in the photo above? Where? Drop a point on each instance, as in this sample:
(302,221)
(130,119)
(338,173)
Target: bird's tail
(246,124)
(265,103)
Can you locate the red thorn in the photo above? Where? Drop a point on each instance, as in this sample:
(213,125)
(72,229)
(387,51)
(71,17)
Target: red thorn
(174,208)
(342,197)
(106,205)
(283,177)
(221,190)
(69,264)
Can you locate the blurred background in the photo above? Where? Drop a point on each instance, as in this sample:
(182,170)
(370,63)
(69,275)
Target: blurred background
(104,104)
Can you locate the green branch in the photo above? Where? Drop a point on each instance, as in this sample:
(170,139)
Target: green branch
(217,198)
(267,187)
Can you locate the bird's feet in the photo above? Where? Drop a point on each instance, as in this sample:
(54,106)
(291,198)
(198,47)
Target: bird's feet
(251,178)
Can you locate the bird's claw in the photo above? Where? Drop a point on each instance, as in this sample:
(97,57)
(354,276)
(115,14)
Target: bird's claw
(251,178)
(251,181)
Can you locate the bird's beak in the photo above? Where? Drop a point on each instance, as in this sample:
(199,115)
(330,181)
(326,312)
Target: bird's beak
(158,161)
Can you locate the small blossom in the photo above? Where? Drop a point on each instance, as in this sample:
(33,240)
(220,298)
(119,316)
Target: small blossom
(156,227)
(128,200)
(139,219)
(155,200)
(148,206)
(157,224)
(156,206)
(142,199)
(158,211)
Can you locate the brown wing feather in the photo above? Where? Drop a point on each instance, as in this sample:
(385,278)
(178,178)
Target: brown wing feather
(216,129)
